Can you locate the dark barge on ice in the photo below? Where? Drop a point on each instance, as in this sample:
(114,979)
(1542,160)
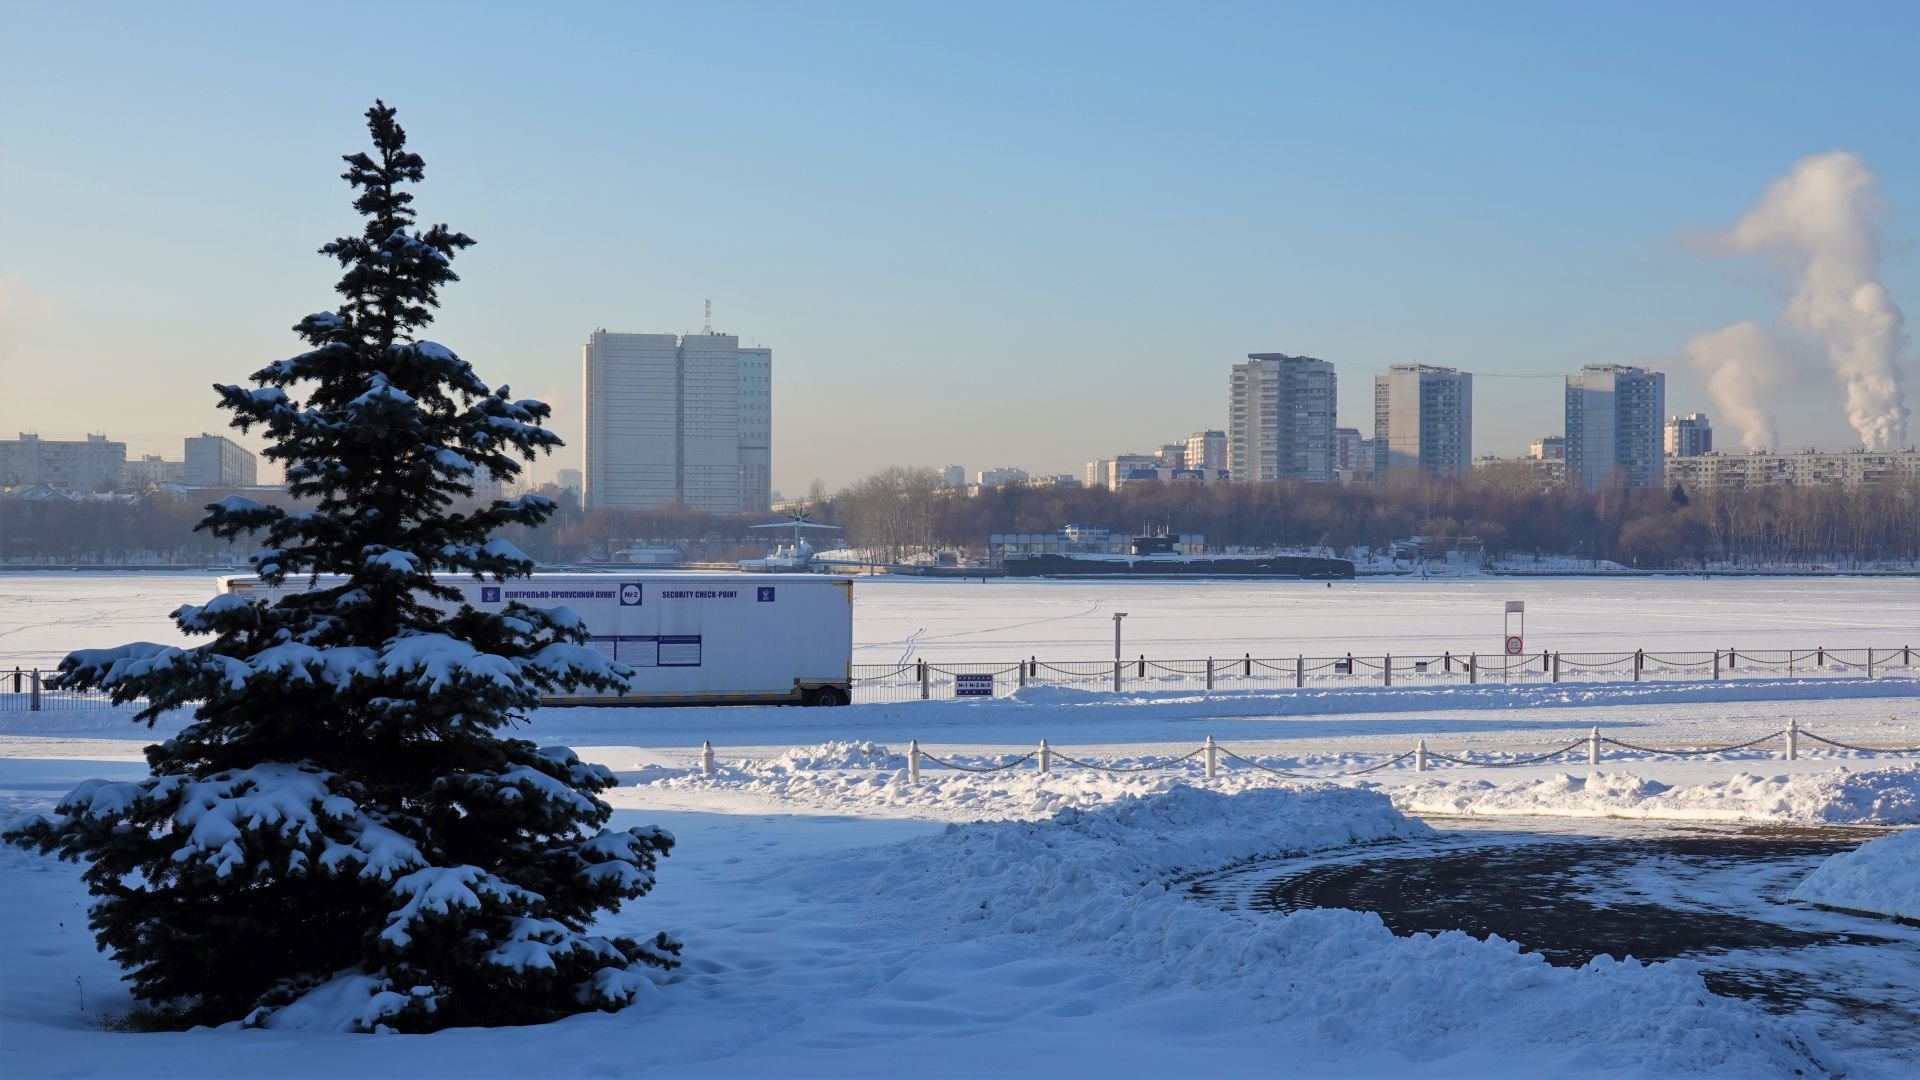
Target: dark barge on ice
(1155,557)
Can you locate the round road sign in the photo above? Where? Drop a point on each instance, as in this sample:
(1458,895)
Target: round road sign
(1514,645)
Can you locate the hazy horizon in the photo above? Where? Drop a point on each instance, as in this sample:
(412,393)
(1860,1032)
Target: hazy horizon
(989,236)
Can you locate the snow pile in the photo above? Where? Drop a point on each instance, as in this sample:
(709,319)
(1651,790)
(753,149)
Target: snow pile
(863,778)
(1105,883)
(1881,876)
(1889,796)
(865,756)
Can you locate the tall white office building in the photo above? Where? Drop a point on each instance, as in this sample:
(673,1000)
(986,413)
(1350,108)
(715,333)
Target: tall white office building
(670,418)
(1280,419)
(1422,423)
(1615,427)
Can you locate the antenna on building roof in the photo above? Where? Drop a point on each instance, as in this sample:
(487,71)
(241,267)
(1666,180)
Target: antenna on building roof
(709,317)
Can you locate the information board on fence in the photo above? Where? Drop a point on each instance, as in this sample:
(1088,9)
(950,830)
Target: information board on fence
(973,685)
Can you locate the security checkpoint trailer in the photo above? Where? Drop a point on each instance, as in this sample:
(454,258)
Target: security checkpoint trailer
(690,638)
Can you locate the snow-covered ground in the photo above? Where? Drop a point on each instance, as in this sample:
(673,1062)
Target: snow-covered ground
(1882,877)
(840,920)
(42,614)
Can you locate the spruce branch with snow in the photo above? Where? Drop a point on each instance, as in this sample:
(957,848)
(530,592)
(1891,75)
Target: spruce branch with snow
(344,814)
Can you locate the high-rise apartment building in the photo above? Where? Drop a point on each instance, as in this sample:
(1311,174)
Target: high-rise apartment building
(1280,419)
(95,464)
(215,461)
(1207,450)
(669,418)
(756,428)
(1689,435)
(1615,417)
(1422,423)
(954,476)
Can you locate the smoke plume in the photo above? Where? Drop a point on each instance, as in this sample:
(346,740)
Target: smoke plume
(1819,220)
(1740,364)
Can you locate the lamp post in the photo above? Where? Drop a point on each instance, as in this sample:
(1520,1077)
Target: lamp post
(1117,616)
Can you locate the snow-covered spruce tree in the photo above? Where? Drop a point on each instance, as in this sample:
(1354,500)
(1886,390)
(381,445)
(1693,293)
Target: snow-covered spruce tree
(343,818)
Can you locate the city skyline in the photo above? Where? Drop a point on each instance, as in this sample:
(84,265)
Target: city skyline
(1130,194)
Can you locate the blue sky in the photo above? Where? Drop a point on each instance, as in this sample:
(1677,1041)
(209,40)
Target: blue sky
(991,234)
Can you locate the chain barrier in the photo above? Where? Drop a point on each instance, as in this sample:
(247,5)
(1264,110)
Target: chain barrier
(1168,764)
(1577,743)
(1686,753)
(1805,734)
(1015,763)
(1389,763)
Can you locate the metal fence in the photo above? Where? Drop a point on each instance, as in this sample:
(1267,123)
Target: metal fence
(926,680)
(29,689)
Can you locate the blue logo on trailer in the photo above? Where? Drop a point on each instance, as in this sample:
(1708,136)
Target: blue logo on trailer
(490,594)
(766,594)
(630,594)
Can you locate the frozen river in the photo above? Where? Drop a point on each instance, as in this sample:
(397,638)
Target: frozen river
(44,614)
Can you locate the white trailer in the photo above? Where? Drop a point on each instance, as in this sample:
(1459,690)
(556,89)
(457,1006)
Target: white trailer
(691,638)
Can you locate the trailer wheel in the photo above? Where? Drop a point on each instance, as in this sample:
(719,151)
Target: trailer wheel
(829,695)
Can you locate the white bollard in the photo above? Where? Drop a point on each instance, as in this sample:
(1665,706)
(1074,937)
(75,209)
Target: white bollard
(706,757)
(1793,739)
(1046,758)
(913,761)
(1420,757)
(1593,747)
(1213,759)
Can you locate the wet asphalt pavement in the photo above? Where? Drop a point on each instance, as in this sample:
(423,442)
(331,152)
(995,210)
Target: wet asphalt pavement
(1714,894)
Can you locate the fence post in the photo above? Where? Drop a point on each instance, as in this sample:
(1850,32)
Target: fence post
(1906,656)
(1248,661)
(1420,757)
(1446,663)
(1473,667)
(36,690)
(1793,739)
(1593,747)
(1118,666)
(1790,663)
(1213,759)
(1716,665)
(1299,670)
(1209,672)
(1869,661)
(1556,667)
(913,761)
(1639,659)
(1046,758)
(1386,668)
(1143,665)
(926,689)
(16,680)
(1543,661)
(1033,665)
(1820,656)
(1023,673)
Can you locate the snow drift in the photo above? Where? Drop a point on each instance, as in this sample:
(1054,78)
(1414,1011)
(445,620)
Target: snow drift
(1881,876)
